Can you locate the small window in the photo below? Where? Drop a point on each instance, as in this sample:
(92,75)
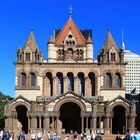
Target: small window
(23,79)
(27,55)
(33,79)
(108,80)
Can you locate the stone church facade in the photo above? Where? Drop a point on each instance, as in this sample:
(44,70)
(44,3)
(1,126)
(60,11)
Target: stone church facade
(70,89)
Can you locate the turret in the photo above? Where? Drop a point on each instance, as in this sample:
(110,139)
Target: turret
(51,50)
(89,49)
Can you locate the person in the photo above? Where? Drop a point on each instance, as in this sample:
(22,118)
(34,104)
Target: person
(21,136)
(39,135)
(1,134)
(98,137)
(75,135)
(128,136)
(33,136)
(5,135)
(92,135)
(66,138)
(118,137)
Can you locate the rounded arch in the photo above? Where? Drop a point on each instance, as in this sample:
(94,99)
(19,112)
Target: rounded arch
(15,105)
(96,73)
(119,124)
(48,71)
(69,99)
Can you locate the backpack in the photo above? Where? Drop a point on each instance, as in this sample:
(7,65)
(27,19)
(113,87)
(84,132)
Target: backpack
(5,134)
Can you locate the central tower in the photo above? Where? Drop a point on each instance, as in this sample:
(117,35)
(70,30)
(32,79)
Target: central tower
(70,44)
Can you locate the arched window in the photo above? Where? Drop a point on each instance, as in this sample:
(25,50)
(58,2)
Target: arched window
(33,79)
(108,80)
(27,56)
(60,83)
(92,84)
(23,79)
(117,80)
(70,81)
(81,84)
(49,83)
(113,57)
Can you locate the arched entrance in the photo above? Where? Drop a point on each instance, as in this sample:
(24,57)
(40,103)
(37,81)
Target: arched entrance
(118,120)
(22,117)
(70,117)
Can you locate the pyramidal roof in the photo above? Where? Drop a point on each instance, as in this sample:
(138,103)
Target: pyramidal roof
(70,26)
(109,41)
(89,40)
(31,42)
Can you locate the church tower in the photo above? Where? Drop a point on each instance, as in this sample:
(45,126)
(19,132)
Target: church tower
(70,45)
(30,52)
(110,52)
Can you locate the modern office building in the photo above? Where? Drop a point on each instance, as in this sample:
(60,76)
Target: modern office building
(132,72)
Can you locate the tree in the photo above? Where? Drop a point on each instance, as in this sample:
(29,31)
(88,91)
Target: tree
(3,98)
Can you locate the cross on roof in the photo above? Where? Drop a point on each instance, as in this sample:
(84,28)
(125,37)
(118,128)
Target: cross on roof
(70,10)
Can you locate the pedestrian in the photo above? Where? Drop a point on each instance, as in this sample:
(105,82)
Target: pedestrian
(75,135)
(98,137)
(21,136)
(39,135)
(33,136)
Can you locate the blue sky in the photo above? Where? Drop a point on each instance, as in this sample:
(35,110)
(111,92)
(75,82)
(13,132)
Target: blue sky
(17,17)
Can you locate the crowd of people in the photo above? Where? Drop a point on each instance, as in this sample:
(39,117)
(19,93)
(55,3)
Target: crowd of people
(38,135)
(130,135)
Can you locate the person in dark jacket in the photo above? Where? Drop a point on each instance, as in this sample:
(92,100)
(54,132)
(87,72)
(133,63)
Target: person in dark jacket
(98,137)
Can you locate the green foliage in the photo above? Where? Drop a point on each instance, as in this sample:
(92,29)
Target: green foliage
(3,98)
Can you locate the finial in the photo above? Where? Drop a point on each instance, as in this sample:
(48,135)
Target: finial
(70,10)
(31,29)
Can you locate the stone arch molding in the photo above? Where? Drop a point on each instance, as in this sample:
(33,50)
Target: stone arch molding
(124,105)
(69,99)
(20,103)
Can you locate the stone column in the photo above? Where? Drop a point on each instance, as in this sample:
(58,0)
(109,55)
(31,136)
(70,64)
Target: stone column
(76,85)
(82,123)
(54,86)
(99,122)
(29,124)
(65,84)
(14,122)
(86,122)
(93,123)
(39,122)
(33,122)
(46,123)
(86,86)
(125,123)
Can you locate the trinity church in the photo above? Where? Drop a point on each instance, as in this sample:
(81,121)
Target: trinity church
(70,89)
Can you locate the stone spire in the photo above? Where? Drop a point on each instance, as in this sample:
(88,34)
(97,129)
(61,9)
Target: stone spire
(31,42)
(109,41)
(89,40)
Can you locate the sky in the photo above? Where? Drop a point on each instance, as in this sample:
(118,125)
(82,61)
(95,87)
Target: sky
(18,17)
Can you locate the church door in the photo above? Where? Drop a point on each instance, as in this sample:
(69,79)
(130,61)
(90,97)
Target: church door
(22,117)
(118,120)
(70,117)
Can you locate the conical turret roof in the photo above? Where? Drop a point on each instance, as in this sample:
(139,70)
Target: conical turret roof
(31,42)
(109,41)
